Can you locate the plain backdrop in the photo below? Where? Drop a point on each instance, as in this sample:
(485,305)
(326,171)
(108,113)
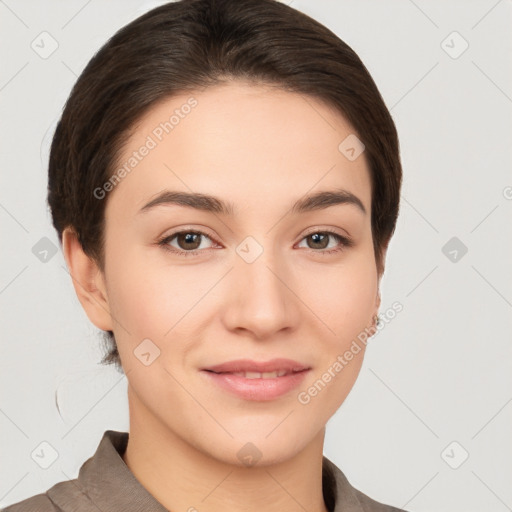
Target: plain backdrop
(425,426)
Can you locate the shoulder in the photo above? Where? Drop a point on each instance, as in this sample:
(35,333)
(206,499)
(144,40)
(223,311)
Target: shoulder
(38,503)
(65,496)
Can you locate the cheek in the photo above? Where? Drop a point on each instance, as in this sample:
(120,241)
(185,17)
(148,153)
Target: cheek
(342,302)
(151,299)
(341,296)
(165,302)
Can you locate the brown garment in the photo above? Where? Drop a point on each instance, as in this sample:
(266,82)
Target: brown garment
(106,484)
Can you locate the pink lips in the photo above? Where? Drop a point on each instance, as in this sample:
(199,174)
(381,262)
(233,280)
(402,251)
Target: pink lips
(248,365)
(259,389)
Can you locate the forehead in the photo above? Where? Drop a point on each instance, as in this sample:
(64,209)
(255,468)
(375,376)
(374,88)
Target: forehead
(251,144)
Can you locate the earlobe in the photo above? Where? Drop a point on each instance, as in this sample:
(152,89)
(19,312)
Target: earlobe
(88,281)
(384,251)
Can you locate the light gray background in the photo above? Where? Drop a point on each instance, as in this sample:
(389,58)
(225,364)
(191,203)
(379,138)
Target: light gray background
(438,373)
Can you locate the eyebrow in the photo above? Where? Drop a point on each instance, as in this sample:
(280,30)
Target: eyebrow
(208,203)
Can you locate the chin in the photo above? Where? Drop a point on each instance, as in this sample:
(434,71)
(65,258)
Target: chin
(255,449)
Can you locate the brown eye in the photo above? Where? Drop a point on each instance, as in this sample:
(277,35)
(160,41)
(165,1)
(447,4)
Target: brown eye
(188,243)
(188,240)
(318,241)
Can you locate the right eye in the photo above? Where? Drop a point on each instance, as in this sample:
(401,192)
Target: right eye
(190,238)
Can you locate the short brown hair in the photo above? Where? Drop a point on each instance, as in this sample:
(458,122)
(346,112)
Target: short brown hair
(192,44)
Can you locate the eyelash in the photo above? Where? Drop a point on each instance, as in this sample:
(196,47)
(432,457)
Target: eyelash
(164,242)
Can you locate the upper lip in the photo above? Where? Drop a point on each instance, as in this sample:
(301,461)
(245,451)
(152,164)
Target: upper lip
(247,365)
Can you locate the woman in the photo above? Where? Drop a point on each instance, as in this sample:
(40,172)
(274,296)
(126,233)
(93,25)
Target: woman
(225,181)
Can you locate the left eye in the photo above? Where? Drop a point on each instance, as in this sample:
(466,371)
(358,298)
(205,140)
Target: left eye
(319,238)
(189,242)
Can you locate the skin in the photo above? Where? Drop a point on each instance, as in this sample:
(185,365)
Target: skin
(261,149)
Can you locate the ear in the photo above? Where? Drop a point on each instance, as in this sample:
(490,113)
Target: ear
(88,281)
(384,251)
(377,303)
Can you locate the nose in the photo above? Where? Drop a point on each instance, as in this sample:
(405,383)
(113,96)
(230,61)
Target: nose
(261,300)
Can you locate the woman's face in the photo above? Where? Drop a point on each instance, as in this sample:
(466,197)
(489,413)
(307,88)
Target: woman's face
(260,282)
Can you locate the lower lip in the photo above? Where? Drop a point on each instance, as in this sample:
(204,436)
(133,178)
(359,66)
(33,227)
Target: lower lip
(257,389)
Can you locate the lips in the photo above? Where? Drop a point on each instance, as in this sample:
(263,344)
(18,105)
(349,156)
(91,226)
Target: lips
(258,386)
(259,369)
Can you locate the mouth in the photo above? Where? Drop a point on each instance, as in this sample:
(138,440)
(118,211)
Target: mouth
(257,386)
(259,375)
(252,369)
